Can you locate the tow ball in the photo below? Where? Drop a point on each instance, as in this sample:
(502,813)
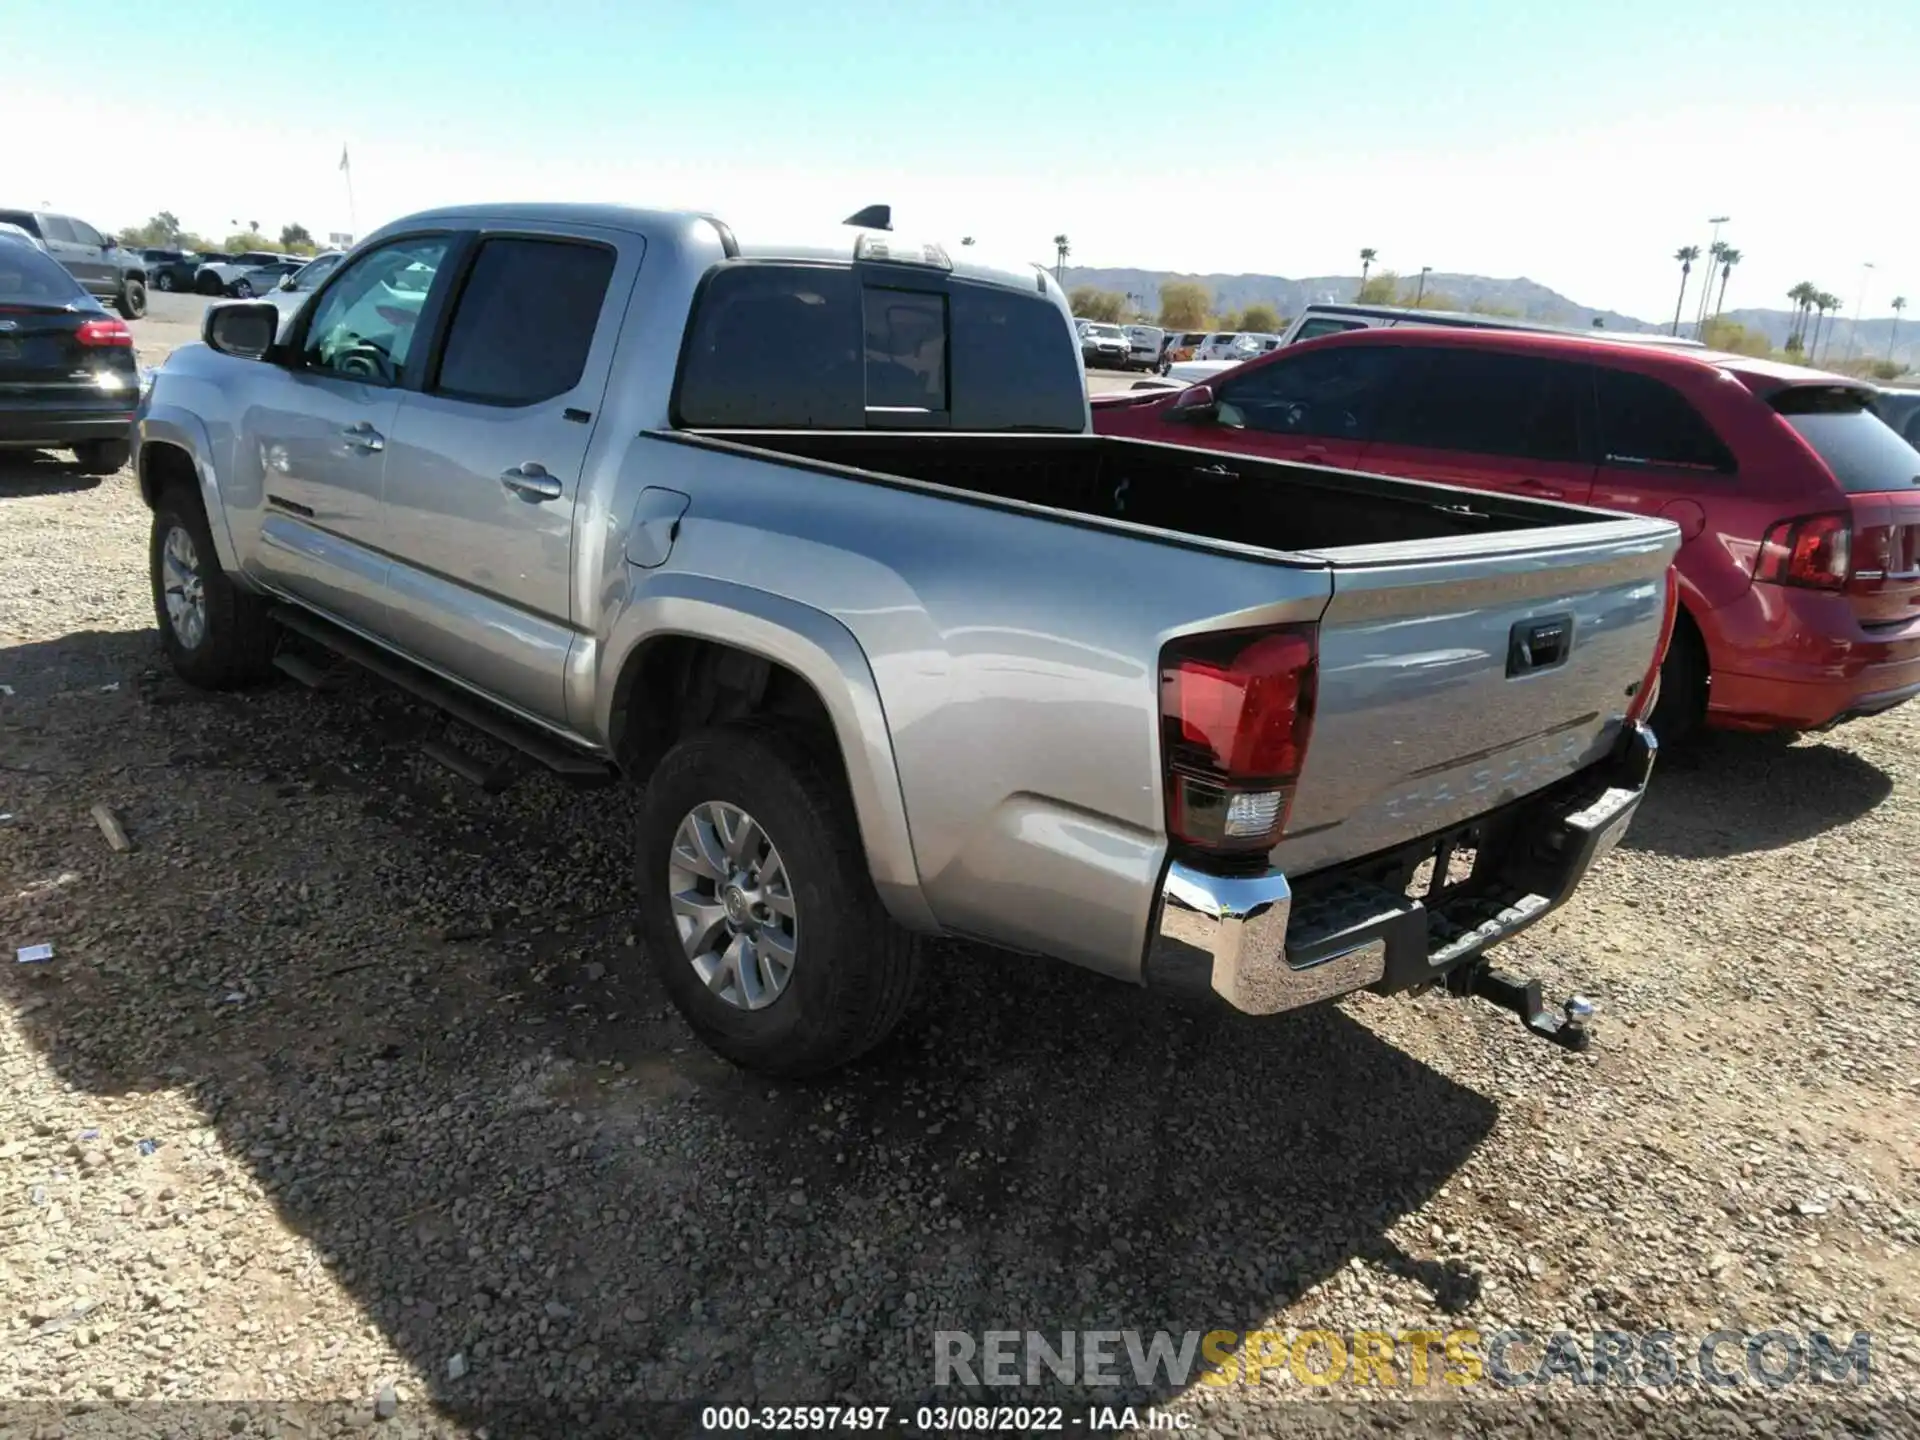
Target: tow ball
(1568,1029)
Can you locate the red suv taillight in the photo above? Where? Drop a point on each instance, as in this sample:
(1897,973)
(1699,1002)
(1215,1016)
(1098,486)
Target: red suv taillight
(1649,682)
(1814,552)
(104,332)
(1236,712)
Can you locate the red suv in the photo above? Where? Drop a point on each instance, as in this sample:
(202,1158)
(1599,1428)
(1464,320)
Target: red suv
(1800,571)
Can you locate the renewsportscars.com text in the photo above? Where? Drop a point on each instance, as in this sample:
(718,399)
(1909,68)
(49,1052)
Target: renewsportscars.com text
(1510,1359)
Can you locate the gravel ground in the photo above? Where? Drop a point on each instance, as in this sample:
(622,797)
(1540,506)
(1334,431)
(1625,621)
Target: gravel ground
(347,1085)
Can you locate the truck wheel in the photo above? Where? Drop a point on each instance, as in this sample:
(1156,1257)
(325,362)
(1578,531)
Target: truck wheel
(757,907)
(216,635)
(1682,706)
(102,457)
(132,302)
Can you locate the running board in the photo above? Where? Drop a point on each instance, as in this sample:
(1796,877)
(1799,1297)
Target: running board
(571,764)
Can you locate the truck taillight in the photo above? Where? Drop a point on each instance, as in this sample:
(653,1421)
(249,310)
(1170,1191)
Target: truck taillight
(1814,552)
(1650,682)
(1236,713)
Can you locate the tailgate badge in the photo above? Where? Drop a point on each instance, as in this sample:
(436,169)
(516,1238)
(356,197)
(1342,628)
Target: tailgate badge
(1535,645)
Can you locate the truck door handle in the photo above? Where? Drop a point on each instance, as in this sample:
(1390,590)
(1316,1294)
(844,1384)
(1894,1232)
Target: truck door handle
(364,437)
(531,483)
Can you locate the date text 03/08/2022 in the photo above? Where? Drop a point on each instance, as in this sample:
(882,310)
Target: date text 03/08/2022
(943,1419)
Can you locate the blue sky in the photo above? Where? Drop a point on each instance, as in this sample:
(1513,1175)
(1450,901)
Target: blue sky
(1577,143)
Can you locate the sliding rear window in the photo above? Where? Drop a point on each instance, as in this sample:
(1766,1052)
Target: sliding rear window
(790,346)
(1838,422)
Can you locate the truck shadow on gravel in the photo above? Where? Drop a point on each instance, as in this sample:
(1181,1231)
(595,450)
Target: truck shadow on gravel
(416,1015)
(1733,794)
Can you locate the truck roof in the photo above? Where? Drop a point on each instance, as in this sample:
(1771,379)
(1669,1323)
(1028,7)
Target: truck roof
(837,243)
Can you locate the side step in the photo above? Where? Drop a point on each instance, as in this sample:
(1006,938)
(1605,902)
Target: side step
(292,662)
(571,764)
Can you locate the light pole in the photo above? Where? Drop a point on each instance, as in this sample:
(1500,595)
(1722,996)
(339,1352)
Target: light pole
(1420,292)
(1713,251)
(1866,270)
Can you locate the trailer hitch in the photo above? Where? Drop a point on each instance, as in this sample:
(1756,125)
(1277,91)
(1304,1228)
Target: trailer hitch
(1567,1029)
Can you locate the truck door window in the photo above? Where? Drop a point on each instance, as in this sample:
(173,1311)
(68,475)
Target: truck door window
(1332,393)
(524,321)
(55,227)
(87,235)
(1644,421)
(1486,403)
(363,328)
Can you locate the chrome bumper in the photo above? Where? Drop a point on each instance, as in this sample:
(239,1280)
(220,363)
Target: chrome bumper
(1268,949)
(1241,922)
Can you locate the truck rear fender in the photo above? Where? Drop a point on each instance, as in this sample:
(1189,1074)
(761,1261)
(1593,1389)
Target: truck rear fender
(815,647)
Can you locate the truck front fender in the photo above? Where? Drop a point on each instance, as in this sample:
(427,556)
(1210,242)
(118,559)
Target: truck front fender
(169,425)
(822,652)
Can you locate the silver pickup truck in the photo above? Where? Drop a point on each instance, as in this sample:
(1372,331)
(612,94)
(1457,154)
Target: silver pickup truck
(813,544)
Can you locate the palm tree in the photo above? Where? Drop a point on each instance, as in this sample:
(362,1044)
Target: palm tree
(1714,252)
(1899,304)
(1367,257)
(1827,304)
(1729,257)
(1060,249)
(1802,297)
(1686,255)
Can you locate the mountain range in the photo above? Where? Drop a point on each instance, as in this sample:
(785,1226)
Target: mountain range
(1529,298)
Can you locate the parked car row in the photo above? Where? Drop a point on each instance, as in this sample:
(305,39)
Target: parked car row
(67,372)
(1800,508)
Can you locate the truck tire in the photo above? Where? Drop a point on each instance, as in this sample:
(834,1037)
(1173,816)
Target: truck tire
(102,457)
(1682,706)
(132,300)
(216,635)
(757,907)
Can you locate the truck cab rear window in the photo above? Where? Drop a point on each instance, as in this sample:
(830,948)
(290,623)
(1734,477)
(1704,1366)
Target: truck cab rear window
(774,346)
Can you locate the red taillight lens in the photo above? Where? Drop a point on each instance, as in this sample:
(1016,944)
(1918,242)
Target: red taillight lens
(1649,683)
(104,332)
(1236,715)
(1814,552)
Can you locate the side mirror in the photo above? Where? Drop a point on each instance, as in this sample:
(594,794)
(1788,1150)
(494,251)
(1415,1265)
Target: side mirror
(1195,403)
(244,329)
(286,283)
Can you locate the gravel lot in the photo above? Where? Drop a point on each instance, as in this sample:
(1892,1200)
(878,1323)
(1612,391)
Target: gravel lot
(347,1070)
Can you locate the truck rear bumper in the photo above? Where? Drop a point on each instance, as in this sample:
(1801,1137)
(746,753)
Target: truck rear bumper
(1269,945)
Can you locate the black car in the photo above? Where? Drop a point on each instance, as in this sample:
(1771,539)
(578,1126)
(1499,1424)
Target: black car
(95,260)
(172,269)
(67,374)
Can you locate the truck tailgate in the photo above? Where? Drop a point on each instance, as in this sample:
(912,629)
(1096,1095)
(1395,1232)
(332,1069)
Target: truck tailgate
(1459,674)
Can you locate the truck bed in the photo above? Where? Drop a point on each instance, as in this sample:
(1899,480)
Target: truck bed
(1202,495)
(1424,718)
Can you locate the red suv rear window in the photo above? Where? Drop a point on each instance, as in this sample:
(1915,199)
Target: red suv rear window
(1864,455)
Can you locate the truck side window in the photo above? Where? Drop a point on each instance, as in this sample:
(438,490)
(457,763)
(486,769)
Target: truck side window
(774,347)
(1332,393)
(86,234)
(524,321)
(1486,403)
(1644,421)
(55,227)
(363,328)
